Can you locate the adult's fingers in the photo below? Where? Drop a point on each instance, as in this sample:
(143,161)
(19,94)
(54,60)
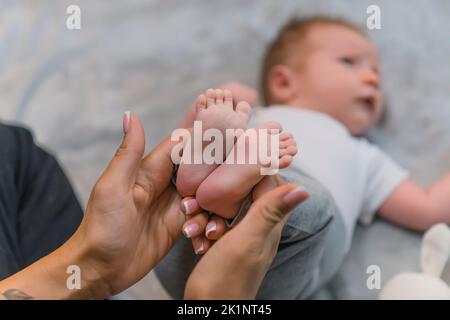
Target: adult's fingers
(156,168)
(123,167)
(268,183)
(201,244)
(195,225)
(189,205)
(272,207)
(215,228)
(246,251)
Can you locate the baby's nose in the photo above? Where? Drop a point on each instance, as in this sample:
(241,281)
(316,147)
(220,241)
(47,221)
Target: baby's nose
(371,78)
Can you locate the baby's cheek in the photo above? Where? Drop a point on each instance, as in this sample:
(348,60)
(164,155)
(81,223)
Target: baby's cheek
(339,96)
(327,88)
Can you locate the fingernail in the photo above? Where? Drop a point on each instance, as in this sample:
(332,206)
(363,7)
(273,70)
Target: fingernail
(295,197)
(201,249)
(210,227)
(126,121)
(189,206)
(190,230)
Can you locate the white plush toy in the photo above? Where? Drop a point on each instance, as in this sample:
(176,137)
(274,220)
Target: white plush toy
(426,285)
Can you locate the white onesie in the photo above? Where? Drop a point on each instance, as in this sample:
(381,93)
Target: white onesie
(357,173)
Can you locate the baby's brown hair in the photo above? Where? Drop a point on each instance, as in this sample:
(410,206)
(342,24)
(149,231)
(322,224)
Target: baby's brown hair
(293,35)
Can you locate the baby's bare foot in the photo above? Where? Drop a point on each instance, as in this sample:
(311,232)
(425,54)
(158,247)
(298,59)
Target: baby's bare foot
(215,110)
(242,92)
(225,188)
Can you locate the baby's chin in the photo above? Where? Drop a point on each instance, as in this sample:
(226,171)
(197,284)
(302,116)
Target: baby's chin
(360,123)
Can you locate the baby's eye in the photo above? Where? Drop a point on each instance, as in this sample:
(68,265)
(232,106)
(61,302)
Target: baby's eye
(347,61)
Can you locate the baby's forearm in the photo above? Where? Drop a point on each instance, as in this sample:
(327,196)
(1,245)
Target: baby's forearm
(418,208)
(439,196)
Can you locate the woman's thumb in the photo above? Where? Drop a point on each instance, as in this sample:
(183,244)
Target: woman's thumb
(124,166)
(272,208)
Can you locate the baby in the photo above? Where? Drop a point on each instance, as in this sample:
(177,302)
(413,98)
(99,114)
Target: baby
(321,82)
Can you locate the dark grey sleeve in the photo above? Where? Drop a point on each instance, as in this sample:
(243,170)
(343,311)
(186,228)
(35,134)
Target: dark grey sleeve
(38,208)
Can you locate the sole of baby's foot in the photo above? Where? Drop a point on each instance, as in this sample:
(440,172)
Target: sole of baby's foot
(225,189)
(215,110)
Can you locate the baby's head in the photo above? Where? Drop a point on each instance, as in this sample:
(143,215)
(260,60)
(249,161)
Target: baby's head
(327,65)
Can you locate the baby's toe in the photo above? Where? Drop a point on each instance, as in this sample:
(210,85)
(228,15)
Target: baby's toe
(219,96)
(290,150)
(287,143)
(286,136)
(210,97)
(285,161)
(200,103)
(228,97)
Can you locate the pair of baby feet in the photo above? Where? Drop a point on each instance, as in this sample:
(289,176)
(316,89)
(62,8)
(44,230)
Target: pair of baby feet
(222,187)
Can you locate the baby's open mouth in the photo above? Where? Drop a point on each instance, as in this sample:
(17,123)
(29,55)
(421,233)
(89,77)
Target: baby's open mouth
(368,103)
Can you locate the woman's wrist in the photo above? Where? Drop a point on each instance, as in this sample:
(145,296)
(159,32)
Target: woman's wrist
(67,273)
(75,263)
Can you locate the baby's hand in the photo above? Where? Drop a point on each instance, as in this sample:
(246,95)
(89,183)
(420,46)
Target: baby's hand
(202,229)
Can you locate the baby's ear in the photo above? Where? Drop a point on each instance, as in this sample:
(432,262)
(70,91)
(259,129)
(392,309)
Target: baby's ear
(282,83)
(435,249)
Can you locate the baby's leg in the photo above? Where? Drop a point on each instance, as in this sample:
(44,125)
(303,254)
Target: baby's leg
(216,111)
(225,188)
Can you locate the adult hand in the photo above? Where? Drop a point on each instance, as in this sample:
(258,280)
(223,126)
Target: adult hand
(234,267)
(199,226)
(133,217)
(131,221)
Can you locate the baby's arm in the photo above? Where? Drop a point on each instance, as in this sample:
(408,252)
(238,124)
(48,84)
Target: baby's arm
(418,208)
